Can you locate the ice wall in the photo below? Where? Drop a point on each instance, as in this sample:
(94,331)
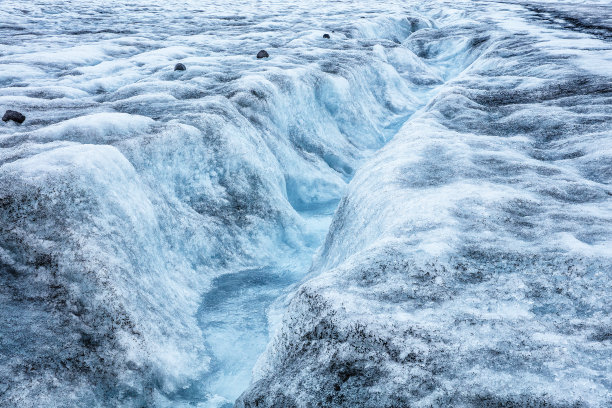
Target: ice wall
(469,262)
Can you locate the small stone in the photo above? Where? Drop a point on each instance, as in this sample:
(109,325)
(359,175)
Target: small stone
(132,366)
(180,67)
(14,116)
(326,36)
(263,54)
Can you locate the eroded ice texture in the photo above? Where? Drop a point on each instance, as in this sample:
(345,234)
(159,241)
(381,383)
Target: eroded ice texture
(155,223)
(469,264)
(151,218)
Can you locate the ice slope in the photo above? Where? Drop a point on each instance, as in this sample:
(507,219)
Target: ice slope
(150,218)
(469,263)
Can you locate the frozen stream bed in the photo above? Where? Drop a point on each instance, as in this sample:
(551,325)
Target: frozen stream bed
(413,210)
(236,317)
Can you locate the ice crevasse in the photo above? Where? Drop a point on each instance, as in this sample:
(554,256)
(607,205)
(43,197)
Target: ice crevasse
(467,263)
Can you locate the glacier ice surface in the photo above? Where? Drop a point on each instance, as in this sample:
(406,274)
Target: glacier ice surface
(449,163)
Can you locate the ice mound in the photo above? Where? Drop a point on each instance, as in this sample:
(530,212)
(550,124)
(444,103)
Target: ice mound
(64,275)
(98,128)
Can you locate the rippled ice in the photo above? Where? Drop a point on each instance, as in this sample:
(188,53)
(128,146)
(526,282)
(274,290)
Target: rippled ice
(155,224)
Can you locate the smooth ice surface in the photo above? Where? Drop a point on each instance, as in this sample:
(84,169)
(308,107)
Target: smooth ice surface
(156,225)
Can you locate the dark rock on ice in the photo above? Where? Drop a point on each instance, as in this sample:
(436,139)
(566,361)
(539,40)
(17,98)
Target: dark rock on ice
(180,67)
(263,54)
(132,366)
(14,116)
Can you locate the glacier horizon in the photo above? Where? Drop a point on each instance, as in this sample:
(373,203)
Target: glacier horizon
(415,211)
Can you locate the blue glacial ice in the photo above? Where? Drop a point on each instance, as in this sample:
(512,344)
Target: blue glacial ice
(415,212)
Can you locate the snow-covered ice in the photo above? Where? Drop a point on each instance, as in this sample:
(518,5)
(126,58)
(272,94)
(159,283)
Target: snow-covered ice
(448,164)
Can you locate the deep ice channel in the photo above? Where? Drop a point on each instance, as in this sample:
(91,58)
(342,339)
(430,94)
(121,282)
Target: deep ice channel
(154,222)
(242,308)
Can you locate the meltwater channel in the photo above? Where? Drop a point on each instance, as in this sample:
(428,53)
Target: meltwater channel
(155,223)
